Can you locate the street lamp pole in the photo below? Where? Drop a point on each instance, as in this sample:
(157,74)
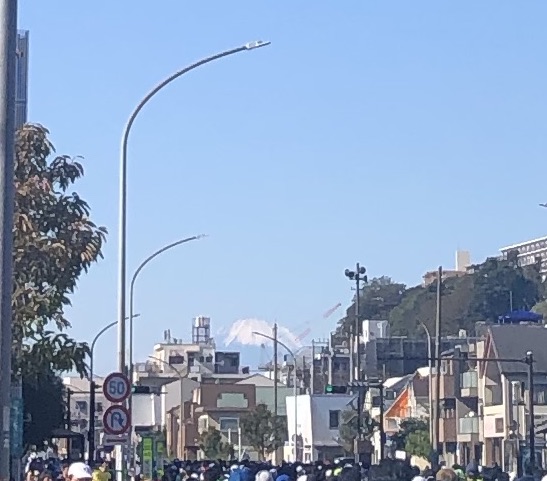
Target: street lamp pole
(122,240)
(132,289)
(295,388)
(430,378)
(92,388)
(181,401)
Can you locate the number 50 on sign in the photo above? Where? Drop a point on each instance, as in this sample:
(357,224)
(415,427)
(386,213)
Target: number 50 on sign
(116,387)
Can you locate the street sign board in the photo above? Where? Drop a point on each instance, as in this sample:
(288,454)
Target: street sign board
(116,387)
(112,440)
(116,420)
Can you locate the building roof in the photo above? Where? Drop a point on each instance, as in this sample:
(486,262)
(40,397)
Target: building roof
(522,244)
(514,341)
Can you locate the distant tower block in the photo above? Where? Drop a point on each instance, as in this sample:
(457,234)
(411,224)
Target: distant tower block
(201,330)
(463,260)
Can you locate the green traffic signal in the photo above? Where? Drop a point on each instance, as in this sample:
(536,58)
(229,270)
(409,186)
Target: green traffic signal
(330,389)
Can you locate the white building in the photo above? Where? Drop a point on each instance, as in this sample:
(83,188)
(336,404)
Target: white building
(79,404)
(530,252)
(318,418)
(372,330)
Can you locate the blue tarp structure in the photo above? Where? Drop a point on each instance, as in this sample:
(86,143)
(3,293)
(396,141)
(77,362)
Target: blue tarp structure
(516,317)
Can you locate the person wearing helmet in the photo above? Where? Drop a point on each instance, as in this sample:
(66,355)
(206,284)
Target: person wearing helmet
(80,472)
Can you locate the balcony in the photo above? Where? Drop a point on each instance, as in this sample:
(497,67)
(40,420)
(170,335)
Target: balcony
(469,384)
(468,429)
(469,425)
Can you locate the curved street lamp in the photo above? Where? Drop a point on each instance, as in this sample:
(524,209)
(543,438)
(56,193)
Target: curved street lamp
(122,240)
(132,288)
(271,338)
(181,399)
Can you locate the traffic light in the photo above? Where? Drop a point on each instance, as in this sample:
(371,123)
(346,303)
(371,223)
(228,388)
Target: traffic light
(330,389)
(140,390)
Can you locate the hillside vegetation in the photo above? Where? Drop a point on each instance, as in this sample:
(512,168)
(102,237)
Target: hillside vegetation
(484,294)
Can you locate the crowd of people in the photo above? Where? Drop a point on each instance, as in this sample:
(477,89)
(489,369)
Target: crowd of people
(345,470)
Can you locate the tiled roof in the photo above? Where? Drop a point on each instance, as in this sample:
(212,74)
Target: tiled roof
(514,341)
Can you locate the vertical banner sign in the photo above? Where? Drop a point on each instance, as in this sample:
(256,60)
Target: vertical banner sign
(147,457)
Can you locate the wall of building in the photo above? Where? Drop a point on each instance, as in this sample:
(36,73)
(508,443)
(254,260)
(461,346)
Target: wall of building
(313,426)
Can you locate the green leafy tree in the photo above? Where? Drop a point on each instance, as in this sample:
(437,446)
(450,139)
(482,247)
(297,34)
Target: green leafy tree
(348,430)
(43,407)
(498,283)
(54,243)
(406,428)
(377,298)
(263,431)
(417,443)
(213,446)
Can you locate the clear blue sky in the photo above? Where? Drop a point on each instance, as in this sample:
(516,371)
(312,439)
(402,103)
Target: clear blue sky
(385,132)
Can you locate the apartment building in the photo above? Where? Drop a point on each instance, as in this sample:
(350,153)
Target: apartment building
(459,422)
(212,405)
(529,252)
(504,390)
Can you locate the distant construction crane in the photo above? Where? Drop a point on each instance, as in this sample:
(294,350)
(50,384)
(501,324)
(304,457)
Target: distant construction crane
(326,315)
(266,365)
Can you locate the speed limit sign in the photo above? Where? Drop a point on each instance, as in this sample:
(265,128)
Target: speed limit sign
(116,387)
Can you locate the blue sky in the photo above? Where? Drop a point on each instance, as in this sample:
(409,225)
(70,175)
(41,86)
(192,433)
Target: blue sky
(386,132)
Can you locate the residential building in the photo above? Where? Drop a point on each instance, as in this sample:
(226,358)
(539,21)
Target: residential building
(411,402)
(264,388)
(318,419)
(529,252)
(21,76)
(459,422)
(79,404)
(212,405)
(503,391)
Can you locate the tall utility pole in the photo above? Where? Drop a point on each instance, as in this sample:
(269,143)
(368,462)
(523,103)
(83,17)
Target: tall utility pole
(276,374)
(8,52)
(438,340)
(359,275)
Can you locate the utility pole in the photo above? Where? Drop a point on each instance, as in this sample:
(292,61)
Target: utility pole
(312,369)
(68,409)
(438,339)
(8,52)
(531,413)
(355,351)
(91,431)
(276,374)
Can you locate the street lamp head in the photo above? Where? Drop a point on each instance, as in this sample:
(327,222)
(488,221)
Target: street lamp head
(256,44)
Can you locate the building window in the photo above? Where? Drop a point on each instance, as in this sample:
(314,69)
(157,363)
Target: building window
(499,425)
(540,395)
(81,406)
(99,407)
(228,424)
(334,419)
(209,359)
(448,408)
